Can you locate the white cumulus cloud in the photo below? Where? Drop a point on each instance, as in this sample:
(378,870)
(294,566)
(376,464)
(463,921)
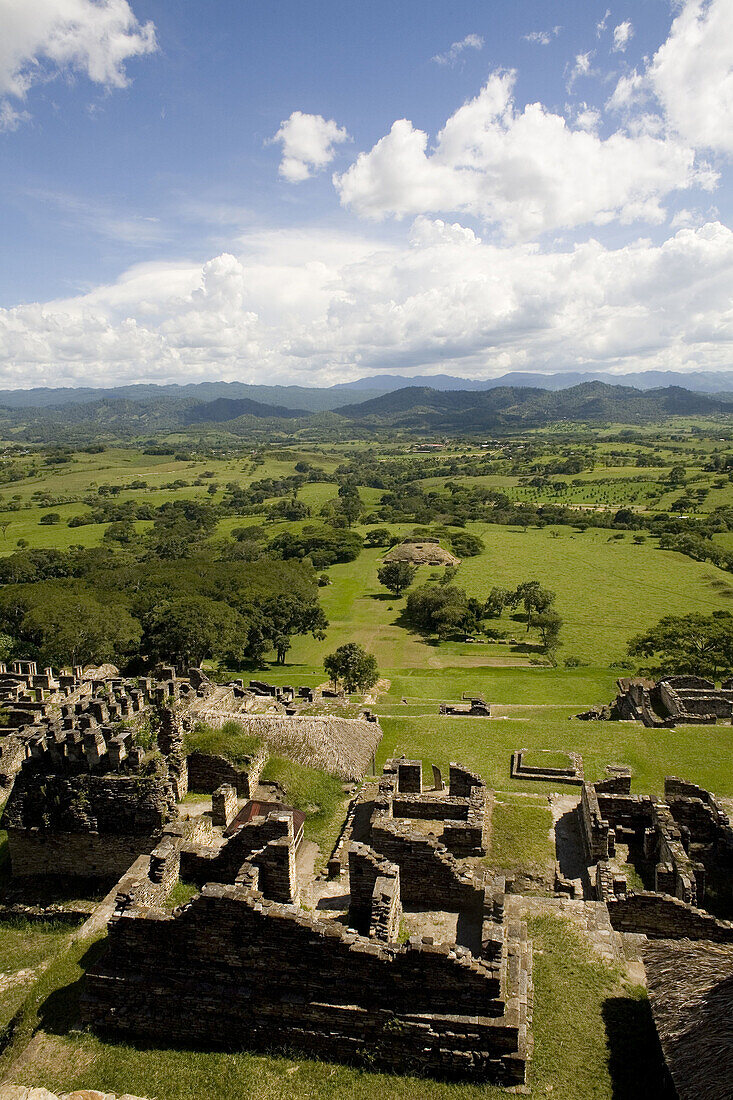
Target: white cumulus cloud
(41,38)
(296,306)
(691,74)
(526,171)
(307,144)
(470,42)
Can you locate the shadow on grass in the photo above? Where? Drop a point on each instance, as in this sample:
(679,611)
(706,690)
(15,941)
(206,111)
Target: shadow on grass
(61,1010)
(635,1060)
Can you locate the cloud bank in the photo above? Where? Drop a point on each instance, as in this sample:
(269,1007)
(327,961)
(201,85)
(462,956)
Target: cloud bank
(526,171)
(317,308)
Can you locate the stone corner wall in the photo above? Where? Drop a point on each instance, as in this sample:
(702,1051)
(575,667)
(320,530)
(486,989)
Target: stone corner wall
(594,828)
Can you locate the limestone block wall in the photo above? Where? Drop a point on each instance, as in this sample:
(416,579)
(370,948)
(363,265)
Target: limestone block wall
(626,811)
(663,917)
(365,868)
(150,879)
(697,810)
(224,805)
(461,781)
(594,826)
(202,864)
(275,862)
(675,873)
(386,908)
(104,856)
(207,772)
(429,873)
(232,969)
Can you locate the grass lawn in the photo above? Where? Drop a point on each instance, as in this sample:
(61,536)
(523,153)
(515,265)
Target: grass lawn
(318,794)
(520,836)
(26,947)
(700,754)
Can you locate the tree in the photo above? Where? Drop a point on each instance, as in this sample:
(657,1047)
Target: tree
(533,597)
(349,502)
(441,610)
(697,645)
(281,645)
(122,531)
(50,518)
(352,665)
(466,545)
(378,536)
(397,575)
(187,630)
(549,625)
(496,601)
(73,628)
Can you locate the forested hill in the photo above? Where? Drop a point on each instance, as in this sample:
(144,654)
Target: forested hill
(224,408)
(417,409)
(507,406)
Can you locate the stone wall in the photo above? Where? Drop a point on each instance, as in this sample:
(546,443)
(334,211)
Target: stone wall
(207,772)
(202,864)
(386,914)
(233,969)
(675,873)
(697,810)
(275,862)
(223,805)
(594,827)
(429,874)
(632,812)
(150,879)
(660,916)
(103,856)
(461,781)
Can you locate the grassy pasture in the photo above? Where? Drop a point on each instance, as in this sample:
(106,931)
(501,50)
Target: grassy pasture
(607,591)
(700,754)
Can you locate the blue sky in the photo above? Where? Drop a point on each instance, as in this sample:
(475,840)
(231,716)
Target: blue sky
(282,192)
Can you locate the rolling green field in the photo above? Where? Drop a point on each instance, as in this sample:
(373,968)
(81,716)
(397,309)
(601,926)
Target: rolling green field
(607,591)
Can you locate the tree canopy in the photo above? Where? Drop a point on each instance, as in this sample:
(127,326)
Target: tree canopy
(396,576)
(351,665)
(698,645)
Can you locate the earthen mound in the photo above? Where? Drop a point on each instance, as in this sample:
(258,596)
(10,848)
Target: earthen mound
(422,552)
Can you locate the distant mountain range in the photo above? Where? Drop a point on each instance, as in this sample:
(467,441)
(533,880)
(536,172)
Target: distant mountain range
(320,399)
(421,407)
(412,409)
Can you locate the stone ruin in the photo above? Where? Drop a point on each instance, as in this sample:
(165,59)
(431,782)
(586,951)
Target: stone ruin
(242,964)
(681,840)
(88,797)
(671,701)
(535,768)
(473,706)
(91,788)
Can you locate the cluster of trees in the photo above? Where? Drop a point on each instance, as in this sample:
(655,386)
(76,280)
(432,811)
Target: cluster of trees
(697,645)
(323,544)
(182,612)
(446,609)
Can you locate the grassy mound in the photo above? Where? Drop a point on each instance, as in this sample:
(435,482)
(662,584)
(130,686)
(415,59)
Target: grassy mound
(230,741)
